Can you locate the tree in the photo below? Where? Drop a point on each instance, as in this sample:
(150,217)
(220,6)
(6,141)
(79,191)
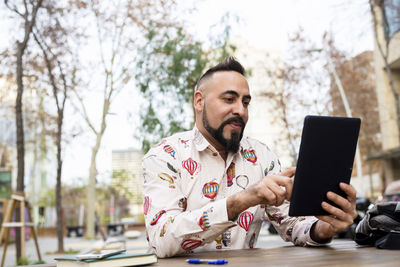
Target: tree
(297,87)
(300,84)
(60,89)
(357,76)
(118,31)
(169,65)
(27,11)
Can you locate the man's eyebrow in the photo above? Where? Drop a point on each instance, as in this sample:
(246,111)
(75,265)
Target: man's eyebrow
(247,97)
(232,92)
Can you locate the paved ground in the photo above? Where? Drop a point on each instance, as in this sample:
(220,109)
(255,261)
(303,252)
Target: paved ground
(49,244)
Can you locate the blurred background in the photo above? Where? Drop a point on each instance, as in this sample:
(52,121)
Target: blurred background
(86,87)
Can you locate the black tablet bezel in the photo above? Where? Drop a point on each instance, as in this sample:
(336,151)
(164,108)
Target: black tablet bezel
(326,158)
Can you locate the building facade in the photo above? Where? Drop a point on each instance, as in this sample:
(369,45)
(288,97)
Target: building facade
(128,163)
(386,18)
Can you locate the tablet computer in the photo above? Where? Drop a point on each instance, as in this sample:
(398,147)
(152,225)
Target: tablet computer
(326,157)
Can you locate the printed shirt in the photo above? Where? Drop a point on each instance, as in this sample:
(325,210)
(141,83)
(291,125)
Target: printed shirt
(186,184)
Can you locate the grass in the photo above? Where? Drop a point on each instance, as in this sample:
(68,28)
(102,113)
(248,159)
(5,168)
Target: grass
(28,261)
(70,251)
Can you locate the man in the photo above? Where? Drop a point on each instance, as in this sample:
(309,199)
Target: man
(209,188)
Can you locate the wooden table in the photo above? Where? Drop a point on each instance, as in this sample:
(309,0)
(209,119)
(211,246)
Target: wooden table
(338,253)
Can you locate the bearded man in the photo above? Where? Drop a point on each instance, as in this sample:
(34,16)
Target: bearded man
(210,188)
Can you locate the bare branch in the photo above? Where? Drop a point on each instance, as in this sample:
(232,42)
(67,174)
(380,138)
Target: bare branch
(13,8)
(83,109)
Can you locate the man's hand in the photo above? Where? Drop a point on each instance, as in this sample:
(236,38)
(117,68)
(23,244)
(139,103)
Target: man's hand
(271,190)
(340,218)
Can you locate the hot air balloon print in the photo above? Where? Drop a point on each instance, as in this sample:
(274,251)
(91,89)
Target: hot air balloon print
(162,142)
(165,226)
(271,167)
(230,174)
(252,240)
(242,181)
(218,240)
(183,203)
(170,150)
(210,190)
(191,166)
(276,217)
(289,231)
(184,142)
(245,219)
(146,205)
(157,217)
(166,177)
(189,244)
(171,167)
(204,222)
(250,155)
(226,238)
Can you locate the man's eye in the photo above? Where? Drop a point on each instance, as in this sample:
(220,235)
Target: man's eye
(246,103)
(228,99)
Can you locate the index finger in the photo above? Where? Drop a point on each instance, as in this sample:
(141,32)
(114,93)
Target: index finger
(289,172)
(285,182)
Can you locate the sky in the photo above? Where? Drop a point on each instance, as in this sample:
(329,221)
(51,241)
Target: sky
(264,24)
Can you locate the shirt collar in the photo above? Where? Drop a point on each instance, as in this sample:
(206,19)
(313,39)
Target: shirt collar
(201,142)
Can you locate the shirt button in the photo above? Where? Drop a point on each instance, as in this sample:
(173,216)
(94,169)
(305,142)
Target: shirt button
(215,154)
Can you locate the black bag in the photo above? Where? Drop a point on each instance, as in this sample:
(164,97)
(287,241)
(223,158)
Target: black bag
(380,227)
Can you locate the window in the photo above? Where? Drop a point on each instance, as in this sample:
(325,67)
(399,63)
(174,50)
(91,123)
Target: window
(391,17)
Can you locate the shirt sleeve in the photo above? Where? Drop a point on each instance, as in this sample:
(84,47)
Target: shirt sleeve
(171,228)
(294,229)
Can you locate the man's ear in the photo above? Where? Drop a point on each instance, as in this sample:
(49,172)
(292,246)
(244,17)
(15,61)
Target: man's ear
(198,100)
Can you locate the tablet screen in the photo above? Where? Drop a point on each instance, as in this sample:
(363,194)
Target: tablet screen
(326,157)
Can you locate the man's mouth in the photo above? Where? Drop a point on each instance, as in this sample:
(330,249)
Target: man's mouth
(235,125)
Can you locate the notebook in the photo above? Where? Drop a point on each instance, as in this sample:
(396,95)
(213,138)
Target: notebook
(326,157)
(123,259)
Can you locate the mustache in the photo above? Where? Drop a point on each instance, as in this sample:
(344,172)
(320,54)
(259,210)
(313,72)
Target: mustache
(235,119)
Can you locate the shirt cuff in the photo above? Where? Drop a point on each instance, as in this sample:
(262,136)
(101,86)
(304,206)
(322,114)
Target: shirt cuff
(218,219)
(218,212)
(310,241)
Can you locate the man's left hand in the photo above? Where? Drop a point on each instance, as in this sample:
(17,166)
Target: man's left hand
(339,218)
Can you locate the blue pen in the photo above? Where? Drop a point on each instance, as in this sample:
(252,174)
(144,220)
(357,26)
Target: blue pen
(204,261)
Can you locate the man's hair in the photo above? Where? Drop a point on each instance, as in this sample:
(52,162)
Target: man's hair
(228,64)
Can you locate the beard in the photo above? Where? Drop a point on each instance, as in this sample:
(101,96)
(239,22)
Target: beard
(232,144)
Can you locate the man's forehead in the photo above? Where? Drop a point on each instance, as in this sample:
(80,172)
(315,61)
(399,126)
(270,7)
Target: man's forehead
(223,80)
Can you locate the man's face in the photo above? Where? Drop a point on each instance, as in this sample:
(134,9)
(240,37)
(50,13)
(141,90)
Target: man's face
(225,108)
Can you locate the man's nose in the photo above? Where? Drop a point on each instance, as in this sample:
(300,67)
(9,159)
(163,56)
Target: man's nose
(239,109)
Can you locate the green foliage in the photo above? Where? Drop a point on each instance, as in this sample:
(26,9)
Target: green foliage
(169,65)
(47,198)
(70,251)
(120,183)
(28,261)
(23,261)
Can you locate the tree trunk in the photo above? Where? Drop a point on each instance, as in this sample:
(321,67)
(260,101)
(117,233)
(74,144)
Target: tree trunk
(20,139)
(60,226)
(91,195)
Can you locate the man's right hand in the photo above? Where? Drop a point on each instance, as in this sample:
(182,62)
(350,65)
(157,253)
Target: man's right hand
(271,190)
